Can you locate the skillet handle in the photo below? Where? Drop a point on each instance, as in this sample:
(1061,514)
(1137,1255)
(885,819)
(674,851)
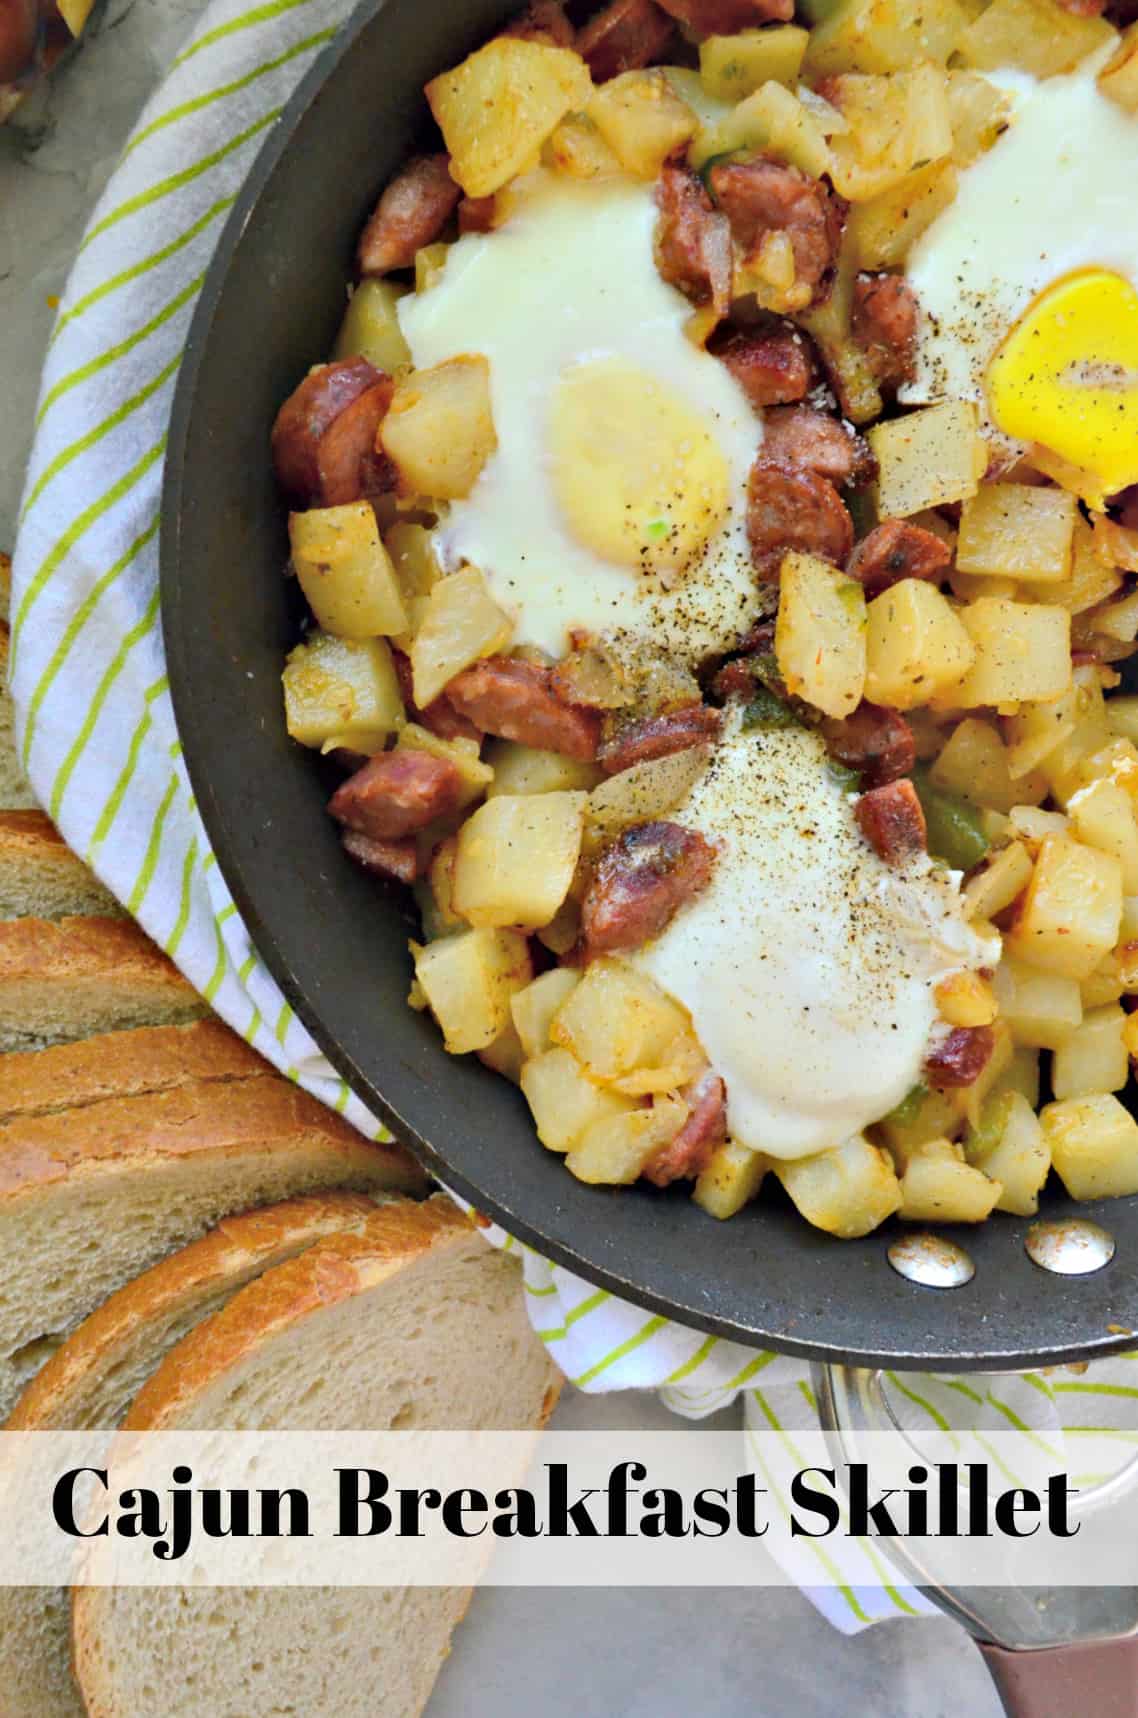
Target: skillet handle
(1098,1678)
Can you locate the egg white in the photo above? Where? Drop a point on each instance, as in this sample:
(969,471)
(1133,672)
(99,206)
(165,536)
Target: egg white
(570,279)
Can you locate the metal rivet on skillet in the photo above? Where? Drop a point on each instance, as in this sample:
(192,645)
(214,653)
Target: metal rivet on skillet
(1072,1247)
(932,1261)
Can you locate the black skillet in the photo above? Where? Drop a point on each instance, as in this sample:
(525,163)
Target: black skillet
(336,944)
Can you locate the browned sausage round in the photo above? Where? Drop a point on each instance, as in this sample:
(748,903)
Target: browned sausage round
(809,440)
(19,32)
(897,550)
(960,1058)
(642,880)
(543,21)
(766,196)
(397,859)
(876,742)
(884,324)
(727,17)
(706,1127)
(411,213)
(892,821)
(519,701)
(658,737)
(772,368)
(623,37)
(794,510)
(323,440)
(693,241)
(397,793)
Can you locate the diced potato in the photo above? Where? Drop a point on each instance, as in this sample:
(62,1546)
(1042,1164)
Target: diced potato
(1093,1059)
(731,67)
(505,1055)
(1071,910)
(462,753)
(460,624)
(1023,650)
(1027,823)
(1090,582)
(614,1151)
(430,265)
(884,35)
(564,1101)
(439,428)
(1102,816)
(993,889)
(370,328)
(1128,966)
(828,325)
(1116,762)
(1129,929)
(966,999)
(639,794)
(883,229)
(345,571)
(940,1187)
(970,1100)
(642,120)
(820,635)
(772,119)
(731,1180)
(496,109)
(978,111)
(1094,1146)
(563,931)
(435,894)
(617,1020)
(974,764)
(1116,545)
(1010,1148)
(1037,36)
(970,586)
(926,458)
(516,858)
(1010,531)
(896,123)
(682,1061)
(578,149)
(342,691)
(1038,728)
(1117,620)
(924,1115)
(847,1191)
(915,646)
(524,769)
(468,980)
(1104,985)
(534,1007)
(1122,717)
(1041,1009)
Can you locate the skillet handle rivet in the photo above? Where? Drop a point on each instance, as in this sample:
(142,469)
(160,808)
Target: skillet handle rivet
(933,1261)
(1070,1246)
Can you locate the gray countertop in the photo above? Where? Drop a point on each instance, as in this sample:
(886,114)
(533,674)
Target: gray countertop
(591,1653)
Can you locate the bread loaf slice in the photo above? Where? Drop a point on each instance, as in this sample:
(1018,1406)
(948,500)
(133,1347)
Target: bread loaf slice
(75,977)
(410,1321)
(15,794)
(40,876)
(89,1383)
(91,1197)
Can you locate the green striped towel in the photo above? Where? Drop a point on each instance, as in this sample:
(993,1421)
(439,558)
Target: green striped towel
(97,733)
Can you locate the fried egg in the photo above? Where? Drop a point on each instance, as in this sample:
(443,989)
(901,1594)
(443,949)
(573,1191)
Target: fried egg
(808,965)
(1027,280)
(616,499)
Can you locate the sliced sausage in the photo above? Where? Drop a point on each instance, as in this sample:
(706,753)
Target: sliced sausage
(623,37)
(959,1058)
(642,880)
(19,35)
(794,510)
(897,550)
(693,240)
(520,701)
(411,213)
(323,440)
(884,324)
(876,742)
(772,368)
(543,21)
(478,214)
(651,737)
(440,716)
(397,793)
(706,1127)
(809,440)
(892,821)
(727,17)
(396,859)
(767,196)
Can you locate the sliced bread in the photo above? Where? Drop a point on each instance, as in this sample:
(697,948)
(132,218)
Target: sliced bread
(73,977)
(15,794)
(90,1382)
(409,1321)
(122,1065)
(91,1197)
(41,876)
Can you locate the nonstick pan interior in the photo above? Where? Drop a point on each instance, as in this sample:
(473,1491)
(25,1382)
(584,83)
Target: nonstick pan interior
(336,943)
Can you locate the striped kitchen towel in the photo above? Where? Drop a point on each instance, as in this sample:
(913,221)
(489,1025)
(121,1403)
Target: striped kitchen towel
(97,732)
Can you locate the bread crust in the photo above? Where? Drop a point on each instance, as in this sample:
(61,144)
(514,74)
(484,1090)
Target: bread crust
(122,1064)
(236,1247)
(86,947)
(260,1113)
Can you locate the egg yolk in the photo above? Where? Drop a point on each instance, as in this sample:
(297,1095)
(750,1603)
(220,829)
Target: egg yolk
(636,471)
(1067,378)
